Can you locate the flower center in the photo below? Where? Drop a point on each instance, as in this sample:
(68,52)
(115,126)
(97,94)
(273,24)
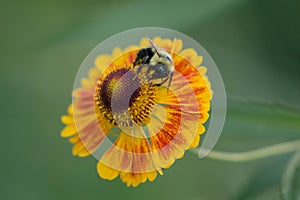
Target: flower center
(123,100)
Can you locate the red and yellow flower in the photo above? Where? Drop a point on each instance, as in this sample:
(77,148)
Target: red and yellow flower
(139,129)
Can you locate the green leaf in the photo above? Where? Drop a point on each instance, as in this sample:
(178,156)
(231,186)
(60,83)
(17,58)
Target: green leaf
(290,186)
(254,123)
(266,113)
(262,179)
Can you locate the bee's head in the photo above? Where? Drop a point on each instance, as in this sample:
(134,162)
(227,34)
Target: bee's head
(160,56)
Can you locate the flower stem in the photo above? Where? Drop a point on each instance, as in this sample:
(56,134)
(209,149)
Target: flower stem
(277,149)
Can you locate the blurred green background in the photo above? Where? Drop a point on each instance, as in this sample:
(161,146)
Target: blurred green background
(255,44)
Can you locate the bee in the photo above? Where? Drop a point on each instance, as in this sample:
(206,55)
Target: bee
(154,65)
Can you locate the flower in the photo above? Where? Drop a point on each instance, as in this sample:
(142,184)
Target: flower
(146,126)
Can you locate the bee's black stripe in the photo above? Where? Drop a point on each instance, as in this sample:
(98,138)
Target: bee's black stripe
(144,56)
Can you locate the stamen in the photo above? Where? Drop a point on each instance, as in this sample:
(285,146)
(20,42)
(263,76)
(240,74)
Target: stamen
(114,87)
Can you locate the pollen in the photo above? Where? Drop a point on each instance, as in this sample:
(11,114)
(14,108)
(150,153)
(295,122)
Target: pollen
(123,100)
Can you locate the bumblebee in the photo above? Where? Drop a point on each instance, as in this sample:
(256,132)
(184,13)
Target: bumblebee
(154,65)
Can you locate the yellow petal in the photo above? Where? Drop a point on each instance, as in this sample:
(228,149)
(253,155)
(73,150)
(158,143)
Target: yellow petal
(86,83)
(116,53)
(67,119)
(201,129)
(130,154)
(152,175)
(202,70)
(70,109)
(68,131)
(136,180)
(177,45)
(84,152)
(74,139)
(158,41)
(94,74)
(196,141)
(131,48)
(102,62)
(77,148)
(192,56)
(133,179)
(166,44)
(106,172)
(144,43)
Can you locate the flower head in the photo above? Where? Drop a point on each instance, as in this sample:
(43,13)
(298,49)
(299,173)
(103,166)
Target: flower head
(134,127)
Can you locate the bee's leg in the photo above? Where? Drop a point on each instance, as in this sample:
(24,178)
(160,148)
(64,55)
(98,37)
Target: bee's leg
(161,83)
(143,62)
(164,81)
(139,69)
(137,72)
(170,80)
(150,68)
